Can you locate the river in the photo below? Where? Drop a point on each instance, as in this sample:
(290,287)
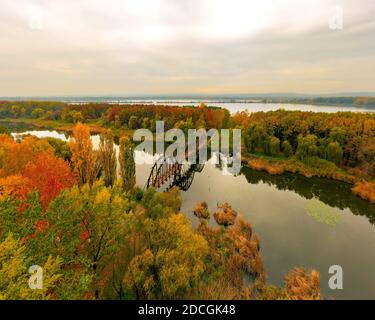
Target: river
(309,222)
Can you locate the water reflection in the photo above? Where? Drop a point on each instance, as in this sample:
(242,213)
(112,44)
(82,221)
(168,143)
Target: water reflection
(333,193)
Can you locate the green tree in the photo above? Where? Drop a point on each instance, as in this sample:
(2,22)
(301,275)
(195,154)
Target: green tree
(37,113)
(77,116)
(334,152)
(274,146)
(185,125)
(146,123)
(107,158)
(62,148)
(133,123)
(127,164)
(173,262)
(338,134)
(49,115)
(307,147)
(4,130)
(14,277)
(256,138)
(88,226)
(16,110)
(287,148)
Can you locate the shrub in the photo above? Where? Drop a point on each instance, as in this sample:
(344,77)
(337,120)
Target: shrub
(225,215)
(201,211)
(4,130)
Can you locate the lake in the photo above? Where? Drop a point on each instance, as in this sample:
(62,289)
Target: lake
(309,222)
(235,106)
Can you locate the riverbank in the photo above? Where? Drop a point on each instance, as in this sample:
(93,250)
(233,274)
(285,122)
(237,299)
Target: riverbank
(26,124)
(41,124)
(363,186)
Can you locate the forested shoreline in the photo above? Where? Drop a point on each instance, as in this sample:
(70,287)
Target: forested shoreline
(339,146)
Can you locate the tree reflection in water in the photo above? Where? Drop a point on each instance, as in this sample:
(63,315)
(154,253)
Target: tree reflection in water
(332,193)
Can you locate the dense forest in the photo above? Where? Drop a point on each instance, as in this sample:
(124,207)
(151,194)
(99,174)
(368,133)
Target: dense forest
(97,236)
(340,146)
(127,116)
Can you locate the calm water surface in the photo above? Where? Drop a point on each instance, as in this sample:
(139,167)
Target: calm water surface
(239,106)
(309,222)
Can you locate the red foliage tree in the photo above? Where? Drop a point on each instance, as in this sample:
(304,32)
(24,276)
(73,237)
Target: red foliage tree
(49,175)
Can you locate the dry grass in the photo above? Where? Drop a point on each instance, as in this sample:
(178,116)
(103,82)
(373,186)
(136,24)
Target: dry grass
(365,190)
(201,211)
(225,215)
(265,165)
(302,285)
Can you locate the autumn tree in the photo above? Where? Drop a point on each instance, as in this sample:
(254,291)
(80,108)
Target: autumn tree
(127,163)
(77,117)
(4,130)
(202,105)
(366,155)
(15,186)
(62,148)
(107,158)
(307,147)
(338,135)
(334,152)
(146,123)
(287,148)
(37,113)
(173,262)
(83,155)
(272,146)
(89,226)
(49,175)
(26,221)
(14,156)
(256,137)
(133,123)
(14,264)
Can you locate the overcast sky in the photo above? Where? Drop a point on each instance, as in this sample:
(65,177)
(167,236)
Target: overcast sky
(130,47)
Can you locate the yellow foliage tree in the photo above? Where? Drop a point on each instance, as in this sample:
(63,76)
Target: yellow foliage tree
(83,155)
(14,274)
(172,264)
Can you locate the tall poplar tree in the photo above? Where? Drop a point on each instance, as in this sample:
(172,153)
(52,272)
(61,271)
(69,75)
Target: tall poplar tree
(127,163)
(107,158)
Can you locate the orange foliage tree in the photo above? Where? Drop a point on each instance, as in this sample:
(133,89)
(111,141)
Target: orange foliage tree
(15,186)
(49,175)
(14,156)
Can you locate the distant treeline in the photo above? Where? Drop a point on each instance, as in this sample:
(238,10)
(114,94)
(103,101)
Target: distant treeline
(128,116)
(364,102)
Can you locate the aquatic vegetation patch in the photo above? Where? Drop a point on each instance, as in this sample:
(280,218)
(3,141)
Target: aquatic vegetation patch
(323,213)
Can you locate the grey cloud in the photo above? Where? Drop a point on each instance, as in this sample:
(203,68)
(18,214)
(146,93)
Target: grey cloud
(86,47)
